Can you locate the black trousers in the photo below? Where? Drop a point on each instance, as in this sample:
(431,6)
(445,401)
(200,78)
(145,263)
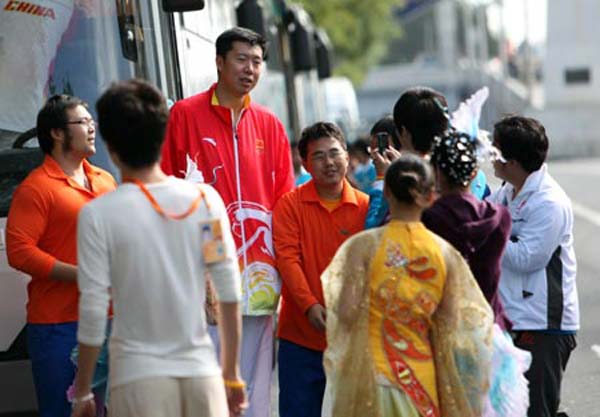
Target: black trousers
(550,354)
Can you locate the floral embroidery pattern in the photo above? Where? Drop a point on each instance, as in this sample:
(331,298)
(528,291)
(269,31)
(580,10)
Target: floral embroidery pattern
(405,323)
(416,268)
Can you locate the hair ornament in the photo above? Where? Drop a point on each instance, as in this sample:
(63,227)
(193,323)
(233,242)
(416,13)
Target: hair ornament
(465,119)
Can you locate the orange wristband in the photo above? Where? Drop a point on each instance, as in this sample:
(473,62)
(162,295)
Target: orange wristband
(234,383)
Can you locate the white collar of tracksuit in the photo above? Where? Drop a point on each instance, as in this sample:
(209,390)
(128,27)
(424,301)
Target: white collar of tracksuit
(533,183)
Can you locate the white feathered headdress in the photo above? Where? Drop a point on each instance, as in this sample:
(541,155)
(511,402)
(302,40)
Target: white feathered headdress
(465,119)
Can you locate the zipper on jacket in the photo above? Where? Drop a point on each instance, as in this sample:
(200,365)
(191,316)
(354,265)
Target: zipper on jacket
(234,125)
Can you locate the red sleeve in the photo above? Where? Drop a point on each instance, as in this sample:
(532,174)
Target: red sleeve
(284,170)
(26,223)
(173,157)
(286,233)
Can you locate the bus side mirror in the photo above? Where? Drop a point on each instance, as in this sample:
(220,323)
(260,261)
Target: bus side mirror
(127,31)
(324,52)
(250,15)
(171,6)
(302,41)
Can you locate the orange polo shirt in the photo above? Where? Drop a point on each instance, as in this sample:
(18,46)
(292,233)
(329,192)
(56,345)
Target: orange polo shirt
(42,228)
(306,235)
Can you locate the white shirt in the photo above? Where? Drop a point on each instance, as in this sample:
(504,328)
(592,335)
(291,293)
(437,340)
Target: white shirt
(155,272)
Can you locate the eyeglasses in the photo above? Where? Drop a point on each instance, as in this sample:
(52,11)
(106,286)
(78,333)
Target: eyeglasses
(85,121)
(335,154)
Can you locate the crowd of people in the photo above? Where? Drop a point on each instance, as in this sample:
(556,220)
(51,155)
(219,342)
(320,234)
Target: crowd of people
(426,294)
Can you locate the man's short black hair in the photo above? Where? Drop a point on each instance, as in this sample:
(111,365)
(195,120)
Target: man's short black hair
(424,113)
(226,39)
(132,117)
(522,139)
(317,131)
(54,116)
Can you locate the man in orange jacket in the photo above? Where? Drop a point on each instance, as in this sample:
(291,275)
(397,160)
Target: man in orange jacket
(41,241)
(309,224)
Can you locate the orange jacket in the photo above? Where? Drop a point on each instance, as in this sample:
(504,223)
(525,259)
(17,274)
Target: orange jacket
(306,236)
(42,228)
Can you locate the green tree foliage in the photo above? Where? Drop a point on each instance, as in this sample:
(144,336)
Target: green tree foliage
(360,31)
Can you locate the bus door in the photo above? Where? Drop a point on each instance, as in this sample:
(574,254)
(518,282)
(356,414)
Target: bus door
(76,47)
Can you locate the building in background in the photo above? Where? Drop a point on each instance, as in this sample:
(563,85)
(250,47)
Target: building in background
(571,81)
(457,46)
(447,45)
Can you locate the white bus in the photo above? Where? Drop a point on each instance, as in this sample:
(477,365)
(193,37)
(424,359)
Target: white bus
(79,47)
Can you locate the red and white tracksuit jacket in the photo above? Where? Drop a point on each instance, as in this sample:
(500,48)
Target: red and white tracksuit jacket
(249,164)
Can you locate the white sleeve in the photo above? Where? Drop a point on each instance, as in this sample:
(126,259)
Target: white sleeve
(93,279)
(538,238)
(226,274)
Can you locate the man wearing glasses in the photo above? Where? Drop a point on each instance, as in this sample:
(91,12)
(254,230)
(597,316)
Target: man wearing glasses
(309,225)
(41,242)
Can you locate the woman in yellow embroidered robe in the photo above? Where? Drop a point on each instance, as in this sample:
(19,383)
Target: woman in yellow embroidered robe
(408,329)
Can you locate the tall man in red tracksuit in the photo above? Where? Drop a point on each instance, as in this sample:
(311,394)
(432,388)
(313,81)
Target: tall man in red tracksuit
(220,137)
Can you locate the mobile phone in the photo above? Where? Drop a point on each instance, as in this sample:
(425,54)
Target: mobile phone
(383,141)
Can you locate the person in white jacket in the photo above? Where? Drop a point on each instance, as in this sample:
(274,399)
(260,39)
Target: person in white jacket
(148,244)
(537,283)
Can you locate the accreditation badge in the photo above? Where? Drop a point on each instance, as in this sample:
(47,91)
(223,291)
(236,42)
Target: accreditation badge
(213,247)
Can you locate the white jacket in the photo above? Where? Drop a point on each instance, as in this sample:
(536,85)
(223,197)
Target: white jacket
(537,283)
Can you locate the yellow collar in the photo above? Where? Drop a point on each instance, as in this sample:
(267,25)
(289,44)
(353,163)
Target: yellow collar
(215,101)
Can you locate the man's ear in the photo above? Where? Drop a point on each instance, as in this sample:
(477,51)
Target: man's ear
(405,136)
(57,135)
(220,62)
(305,165)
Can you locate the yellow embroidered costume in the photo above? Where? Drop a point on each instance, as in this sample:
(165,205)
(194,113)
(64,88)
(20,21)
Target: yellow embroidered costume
(409,332)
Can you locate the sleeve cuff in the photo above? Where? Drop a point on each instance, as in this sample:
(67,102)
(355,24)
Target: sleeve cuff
(47,266)
(309,304)
(92,334)
(227,283)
